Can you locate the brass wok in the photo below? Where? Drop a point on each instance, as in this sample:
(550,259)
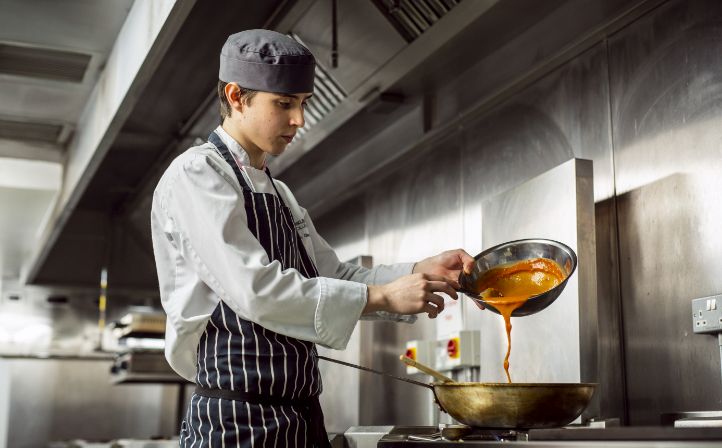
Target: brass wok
(515,405)
(502,405)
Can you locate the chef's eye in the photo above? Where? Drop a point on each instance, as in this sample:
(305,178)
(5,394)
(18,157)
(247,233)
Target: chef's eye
(284,104)
(304,104)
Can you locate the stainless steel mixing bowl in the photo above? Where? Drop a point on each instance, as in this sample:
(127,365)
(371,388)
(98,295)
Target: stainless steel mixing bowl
(516,251)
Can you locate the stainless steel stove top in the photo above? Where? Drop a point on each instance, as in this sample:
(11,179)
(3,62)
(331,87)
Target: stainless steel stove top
(620,437)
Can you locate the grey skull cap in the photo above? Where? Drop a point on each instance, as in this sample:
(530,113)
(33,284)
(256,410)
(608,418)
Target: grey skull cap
(267,61)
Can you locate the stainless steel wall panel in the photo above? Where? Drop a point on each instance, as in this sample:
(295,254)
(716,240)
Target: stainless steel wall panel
(345,228)
(345,389)
(645,106)
(433,202)
(412,213)
(563,115)
(526,46)
(559,344)
(4,403)
(666,95)
(612,393)
(65,400)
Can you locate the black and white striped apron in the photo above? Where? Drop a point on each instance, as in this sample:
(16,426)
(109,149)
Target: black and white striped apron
(254,387)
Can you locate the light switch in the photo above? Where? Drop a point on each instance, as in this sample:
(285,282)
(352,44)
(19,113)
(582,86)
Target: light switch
(714,304)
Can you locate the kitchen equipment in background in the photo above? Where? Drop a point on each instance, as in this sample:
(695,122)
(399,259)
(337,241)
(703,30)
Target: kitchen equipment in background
(143,366)
(571,437)
(141,325)
(420,350)
(141,359)
(365,436)
(141,334)
(458,351)
(457,354)
(514,251)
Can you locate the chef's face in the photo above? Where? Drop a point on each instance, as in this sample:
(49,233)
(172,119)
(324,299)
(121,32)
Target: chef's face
(270,120)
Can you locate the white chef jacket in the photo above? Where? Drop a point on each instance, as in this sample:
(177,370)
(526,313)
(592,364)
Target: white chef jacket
(205,253)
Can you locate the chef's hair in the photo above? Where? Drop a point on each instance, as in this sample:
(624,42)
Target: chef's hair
(225,107)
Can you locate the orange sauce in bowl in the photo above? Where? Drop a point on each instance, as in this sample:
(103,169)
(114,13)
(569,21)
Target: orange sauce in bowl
(509,286)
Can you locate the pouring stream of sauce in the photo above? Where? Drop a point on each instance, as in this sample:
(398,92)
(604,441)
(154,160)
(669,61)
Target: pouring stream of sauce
(509,286)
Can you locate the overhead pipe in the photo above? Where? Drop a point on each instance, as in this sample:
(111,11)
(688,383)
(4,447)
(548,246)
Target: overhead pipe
(334,33)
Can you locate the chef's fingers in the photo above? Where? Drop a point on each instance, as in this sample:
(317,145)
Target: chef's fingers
(442,286)
(452,279)
(435,300)
(441,278)
(467,261)
(433,277)
(431,310)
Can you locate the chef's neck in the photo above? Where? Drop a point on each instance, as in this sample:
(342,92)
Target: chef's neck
(256,156)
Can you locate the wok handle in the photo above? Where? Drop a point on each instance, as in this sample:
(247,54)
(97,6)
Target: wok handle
(427,370)
(348,364)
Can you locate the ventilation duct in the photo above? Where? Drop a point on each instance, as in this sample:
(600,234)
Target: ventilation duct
(327,94)
(412,18)
(43,63)
(30,131)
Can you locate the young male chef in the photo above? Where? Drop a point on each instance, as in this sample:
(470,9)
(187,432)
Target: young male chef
(248,284)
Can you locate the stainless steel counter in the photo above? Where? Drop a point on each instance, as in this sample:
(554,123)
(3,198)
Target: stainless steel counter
(621,437)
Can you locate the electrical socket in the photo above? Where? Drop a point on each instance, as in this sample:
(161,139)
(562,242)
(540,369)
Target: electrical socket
(707,314)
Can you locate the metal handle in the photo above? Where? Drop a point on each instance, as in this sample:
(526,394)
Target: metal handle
(348,364)
(427,370)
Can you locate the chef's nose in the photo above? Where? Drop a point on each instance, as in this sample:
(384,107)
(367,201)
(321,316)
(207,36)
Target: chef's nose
(297,119)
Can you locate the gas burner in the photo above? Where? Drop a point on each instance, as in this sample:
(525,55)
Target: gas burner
(448,433)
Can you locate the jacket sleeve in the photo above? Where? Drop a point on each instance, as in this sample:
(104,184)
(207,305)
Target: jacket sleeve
(329,265)
(206,220)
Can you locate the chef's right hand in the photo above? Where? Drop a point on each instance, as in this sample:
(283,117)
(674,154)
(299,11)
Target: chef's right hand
(410,294)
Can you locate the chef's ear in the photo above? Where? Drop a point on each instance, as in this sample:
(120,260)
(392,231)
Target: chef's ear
(234,95)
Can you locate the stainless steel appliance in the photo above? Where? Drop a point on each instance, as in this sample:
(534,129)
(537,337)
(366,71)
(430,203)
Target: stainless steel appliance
(569,437)
(143,366)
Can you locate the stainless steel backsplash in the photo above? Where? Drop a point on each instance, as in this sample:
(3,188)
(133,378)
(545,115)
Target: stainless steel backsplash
(644,102)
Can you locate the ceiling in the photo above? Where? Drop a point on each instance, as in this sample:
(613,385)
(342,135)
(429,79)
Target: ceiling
(51,54)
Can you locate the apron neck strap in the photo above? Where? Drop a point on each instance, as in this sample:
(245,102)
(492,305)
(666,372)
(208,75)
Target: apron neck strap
(278,193)
(223,150)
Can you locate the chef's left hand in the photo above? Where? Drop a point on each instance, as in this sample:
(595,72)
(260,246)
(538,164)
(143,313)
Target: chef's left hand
(447,264)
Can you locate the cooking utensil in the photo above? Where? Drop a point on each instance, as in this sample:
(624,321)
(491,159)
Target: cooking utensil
(377,372)
(514,251)
(446,432)
(427,370)
(502,405)
(454,432)
(514,405)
